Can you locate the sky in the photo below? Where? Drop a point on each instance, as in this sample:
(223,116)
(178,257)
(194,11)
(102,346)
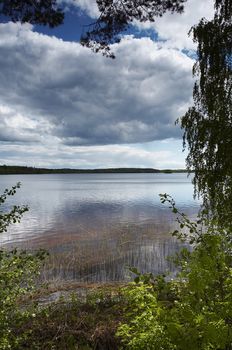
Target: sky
(61,105)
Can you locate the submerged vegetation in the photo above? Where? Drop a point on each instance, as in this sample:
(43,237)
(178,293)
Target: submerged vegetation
(193,311)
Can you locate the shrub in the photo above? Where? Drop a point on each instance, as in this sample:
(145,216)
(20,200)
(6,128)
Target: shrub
(18,270)
(143,329)
(194,311)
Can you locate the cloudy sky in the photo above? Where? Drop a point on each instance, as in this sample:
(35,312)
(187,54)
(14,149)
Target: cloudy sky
(63,106)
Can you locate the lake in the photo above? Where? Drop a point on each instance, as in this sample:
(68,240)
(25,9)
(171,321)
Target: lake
(97,225)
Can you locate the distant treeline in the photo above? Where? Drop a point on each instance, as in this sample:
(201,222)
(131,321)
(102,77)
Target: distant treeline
(9,169)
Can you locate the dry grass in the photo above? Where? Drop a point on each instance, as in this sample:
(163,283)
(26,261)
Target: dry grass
(76,324)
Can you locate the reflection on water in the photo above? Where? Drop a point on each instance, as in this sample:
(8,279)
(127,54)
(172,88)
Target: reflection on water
(96,225)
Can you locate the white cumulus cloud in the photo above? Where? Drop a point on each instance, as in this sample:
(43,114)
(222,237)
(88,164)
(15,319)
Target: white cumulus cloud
(174,28)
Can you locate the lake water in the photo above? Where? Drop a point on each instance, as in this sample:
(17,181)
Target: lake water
(96,225)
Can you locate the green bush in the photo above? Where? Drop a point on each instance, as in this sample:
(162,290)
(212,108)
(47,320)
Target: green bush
(18,270)
(143,329)
(192,312)
(201,315)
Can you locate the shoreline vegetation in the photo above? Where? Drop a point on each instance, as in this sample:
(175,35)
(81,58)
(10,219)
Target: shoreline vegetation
(14,170)
(191,311)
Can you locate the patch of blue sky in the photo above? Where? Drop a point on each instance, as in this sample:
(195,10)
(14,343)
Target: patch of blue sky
(76,22)
(190,53)
(141,33)
(71,30)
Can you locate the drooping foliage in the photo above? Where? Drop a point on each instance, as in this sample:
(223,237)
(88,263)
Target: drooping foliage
(208,123)
(116,16)
(45,12)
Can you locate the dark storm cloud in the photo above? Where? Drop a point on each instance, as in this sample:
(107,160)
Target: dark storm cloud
(62,90)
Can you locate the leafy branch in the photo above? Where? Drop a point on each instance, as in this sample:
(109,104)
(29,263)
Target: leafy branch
(15,214)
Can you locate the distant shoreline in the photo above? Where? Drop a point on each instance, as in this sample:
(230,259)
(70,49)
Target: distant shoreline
(23,170)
